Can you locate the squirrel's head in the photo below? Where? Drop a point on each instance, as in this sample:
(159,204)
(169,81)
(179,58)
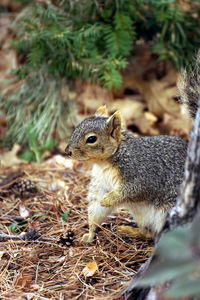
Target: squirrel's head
(97,137)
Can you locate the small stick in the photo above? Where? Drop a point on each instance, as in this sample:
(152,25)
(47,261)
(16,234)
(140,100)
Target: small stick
(12,218)
(31,235)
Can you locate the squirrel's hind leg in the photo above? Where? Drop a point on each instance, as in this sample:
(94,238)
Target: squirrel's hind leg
(96,215)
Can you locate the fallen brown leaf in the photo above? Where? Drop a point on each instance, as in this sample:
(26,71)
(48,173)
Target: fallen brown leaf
(90,269)
(1,254)
(90,97)
(24,280)
(180,126)
(10,158)
(130,108)
(146,123)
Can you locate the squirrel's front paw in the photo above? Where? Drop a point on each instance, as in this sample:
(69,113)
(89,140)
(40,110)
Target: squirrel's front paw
(87,238)
(105,201)
(110,199)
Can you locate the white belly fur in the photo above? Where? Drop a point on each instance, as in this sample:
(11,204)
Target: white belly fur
(105,177)
(146,216)
(104,180)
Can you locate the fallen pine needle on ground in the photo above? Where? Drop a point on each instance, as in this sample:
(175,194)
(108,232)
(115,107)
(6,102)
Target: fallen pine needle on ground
(49,199)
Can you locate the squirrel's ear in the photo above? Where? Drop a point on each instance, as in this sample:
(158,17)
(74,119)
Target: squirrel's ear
(102,111)
(114,125)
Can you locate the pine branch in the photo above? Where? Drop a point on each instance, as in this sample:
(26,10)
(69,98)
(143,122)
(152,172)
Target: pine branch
(38,102)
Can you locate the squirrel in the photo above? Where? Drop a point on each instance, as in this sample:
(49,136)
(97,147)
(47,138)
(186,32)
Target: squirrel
(141,174)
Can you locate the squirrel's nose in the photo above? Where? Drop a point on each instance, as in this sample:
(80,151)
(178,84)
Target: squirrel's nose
(68,152)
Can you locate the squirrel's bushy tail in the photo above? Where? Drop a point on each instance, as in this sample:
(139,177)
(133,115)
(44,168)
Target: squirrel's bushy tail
(189,88)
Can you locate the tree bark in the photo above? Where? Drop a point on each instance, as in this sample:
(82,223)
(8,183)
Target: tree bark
(187,207)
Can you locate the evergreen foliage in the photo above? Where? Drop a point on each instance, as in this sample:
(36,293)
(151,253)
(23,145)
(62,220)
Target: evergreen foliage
(40,102)
(91,39)
(74,45)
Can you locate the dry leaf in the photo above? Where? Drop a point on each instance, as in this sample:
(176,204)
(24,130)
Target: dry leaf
(23,212)
(57,185)
(138,65)
(91,97)
(10,158)
(90,269)
(59,161)
(14,5)
(147,123)
(28,296)
(24,280)
(158,94)
(129,107)
(1,254)
(180,126)
(150,117)
(5,22)
(70,251)
(7,63)
(160,98)
(133,114)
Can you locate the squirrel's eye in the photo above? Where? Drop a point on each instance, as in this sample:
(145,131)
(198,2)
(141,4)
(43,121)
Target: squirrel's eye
(91,140)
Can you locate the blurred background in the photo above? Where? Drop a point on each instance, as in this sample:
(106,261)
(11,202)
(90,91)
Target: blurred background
(61,60)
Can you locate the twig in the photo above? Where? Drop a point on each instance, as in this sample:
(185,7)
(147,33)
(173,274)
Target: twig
(12,218)
(31,235)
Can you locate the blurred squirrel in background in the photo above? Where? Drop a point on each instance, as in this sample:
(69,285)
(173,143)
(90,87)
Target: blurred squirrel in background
(142,175)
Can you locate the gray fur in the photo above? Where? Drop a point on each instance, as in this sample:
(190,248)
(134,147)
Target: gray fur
(151,168)
(91,124)
(189,88)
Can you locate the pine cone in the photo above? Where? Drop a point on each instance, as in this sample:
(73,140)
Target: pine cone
(66,239)
(24,188)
